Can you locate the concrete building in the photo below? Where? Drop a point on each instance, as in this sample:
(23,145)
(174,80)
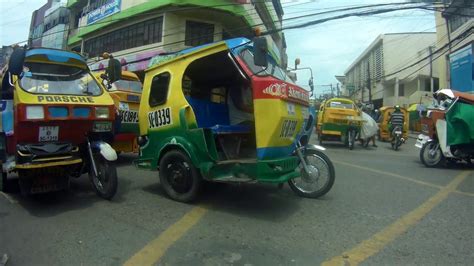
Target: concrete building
(455,38)
(136,30)
(49,25)
(390,72)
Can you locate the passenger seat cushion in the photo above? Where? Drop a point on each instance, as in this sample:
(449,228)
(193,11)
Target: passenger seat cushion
(209,114)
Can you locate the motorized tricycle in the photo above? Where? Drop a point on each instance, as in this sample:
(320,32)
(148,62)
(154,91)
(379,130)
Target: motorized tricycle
(385,134)
(126,93)
(448,130)
(339,120)
(227,112)
(56,124)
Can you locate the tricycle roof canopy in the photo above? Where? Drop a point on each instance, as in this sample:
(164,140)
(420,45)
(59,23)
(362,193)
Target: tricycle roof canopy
(53,56)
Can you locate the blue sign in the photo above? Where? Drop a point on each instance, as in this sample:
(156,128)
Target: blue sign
(462,69)
(104,11)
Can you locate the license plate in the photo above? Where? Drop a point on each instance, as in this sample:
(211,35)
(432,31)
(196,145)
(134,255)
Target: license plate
(48,134)
(398,132)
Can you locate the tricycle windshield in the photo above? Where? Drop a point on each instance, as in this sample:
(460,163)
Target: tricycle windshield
(273,68)
(127,85)
(340,105)
(59,79)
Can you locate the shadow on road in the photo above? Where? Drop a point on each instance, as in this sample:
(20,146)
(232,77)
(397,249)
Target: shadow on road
(80,195)
(256,201)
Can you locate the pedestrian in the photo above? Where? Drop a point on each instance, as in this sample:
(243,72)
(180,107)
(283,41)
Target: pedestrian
(369,129)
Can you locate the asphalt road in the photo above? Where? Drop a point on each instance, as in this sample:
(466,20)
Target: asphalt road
(385,208)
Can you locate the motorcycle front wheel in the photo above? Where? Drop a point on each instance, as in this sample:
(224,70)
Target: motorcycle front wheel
(320,179)
(105,183)
(431,155)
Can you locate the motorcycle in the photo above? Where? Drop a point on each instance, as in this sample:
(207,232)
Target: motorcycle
(447,130)
(397,138)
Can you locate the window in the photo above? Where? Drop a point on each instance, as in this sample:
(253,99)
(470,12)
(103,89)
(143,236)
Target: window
(427,84)
(198,33)
(401,89)
(136,35)
(159,89)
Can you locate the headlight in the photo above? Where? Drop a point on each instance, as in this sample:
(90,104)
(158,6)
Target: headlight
(102,112)
(34,112)
(102,127)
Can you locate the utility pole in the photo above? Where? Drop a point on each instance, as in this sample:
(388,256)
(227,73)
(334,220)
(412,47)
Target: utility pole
(369,85)
(430,49)
(332,90)
(338,91)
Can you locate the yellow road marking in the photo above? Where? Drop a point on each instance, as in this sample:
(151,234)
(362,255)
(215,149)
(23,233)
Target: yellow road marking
(154,250)
(377,242)
(10,199)
(464,193)
(390,174)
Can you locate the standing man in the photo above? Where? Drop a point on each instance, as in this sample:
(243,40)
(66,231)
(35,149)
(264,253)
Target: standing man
(114,70)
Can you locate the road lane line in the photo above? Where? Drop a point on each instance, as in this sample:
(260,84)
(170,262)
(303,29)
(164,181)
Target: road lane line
(389,174)
(10,199)
(377,242)
(464,193)
(154,250)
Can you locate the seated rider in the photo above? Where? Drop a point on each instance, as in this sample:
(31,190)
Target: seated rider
(240,103)
(396,119)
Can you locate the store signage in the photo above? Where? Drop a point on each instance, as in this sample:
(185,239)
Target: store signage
(110,8)
(462,69)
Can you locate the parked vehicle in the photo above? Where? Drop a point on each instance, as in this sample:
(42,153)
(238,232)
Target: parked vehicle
(226,112)
(385,134)
(126,93)
(448,130)
(56,124)
(339,119)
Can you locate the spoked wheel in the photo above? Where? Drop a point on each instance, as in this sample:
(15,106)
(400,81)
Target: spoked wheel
(179,178)
(320,178)
(105,182)
(431,155)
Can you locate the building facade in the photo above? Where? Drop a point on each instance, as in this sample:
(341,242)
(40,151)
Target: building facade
(455,39)
(395,69)
(136,30)
(49,25)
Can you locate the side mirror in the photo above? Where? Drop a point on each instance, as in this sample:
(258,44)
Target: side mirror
(297,62)
(17,59)
(106,83)
(260,51)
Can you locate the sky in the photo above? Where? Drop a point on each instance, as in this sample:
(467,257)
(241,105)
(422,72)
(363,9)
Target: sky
(327,48)
(331,47)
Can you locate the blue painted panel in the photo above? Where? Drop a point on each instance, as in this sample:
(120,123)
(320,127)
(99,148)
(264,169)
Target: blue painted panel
(58,112)
(462,69)
(81,112)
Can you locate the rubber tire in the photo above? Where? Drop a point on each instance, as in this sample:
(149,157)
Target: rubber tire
(441,162)
(5,184)
(110,170)
(197,182)
(397,143)
(329,184)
